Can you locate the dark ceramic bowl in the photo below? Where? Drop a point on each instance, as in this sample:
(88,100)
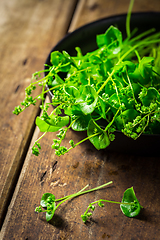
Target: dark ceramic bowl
(85,38)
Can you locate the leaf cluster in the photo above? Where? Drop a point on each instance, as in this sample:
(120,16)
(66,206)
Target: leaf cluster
(115,87)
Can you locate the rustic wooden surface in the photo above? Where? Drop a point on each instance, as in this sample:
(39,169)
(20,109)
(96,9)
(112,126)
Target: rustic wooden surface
(29,29)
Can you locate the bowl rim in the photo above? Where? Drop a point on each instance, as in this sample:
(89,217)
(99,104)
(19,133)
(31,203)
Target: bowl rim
(110,18)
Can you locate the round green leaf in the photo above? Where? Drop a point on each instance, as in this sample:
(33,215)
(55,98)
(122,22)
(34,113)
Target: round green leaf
(88,99)
(45,127)
(133,207)
(81,124)
(112,38)
(71,90)
(57,58)
(100,138)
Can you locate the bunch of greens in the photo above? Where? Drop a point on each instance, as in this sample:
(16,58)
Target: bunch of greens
(116,87)
(129,205)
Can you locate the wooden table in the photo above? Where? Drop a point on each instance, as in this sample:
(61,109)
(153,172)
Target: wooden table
(28,31)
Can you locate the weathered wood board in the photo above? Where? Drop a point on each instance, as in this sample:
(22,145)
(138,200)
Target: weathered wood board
(28,30)
(81,166)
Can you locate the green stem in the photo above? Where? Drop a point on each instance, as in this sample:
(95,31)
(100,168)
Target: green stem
(83,140)
(80,193)
(39,138)
(112,121)
(109,201)
(52,88)
(104,84)
(128,18)
(60,199)
(100,201)
(142,35)
(33,83)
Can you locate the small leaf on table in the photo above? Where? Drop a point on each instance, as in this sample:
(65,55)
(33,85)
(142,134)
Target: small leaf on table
(133,207)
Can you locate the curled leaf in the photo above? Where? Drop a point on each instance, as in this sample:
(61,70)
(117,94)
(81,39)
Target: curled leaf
(132,207)
(48,201)
(112,38)
(51,124)
(50,212)
(47,198)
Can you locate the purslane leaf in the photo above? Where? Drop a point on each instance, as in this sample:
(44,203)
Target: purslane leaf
(115,83)
(100,138)
(145,66)
(112,38)
(87,100)
(50,214)
(71,90)
(81,123)
(45,197)
(133,209)
(51,125)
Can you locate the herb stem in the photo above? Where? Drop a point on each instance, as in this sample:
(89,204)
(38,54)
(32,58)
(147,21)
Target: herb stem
(109,201)
(108,126)
(40,137)
(81,192)
(83,140)
(60,199)
(128,18)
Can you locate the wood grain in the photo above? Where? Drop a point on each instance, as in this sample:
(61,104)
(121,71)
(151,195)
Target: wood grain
(28,30)
(85,165)
(91,10)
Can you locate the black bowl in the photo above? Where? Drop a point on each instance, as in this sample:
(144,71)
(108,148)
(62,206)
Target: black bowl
(85,38)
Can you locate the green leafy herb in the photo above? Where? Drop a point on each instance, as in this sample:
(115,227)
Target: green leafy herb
(130,210)
(129,205)
(48,200)
(115,87)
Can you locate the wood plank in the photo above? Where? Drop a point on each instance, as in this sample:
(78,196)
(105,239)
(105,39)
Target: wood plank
(91,10)
(28,30)
(84,165)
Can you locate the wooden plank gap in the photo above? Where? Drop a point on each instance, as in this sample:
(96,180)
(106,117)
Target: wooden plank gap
(78,11)
(15,170)
(74,11)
